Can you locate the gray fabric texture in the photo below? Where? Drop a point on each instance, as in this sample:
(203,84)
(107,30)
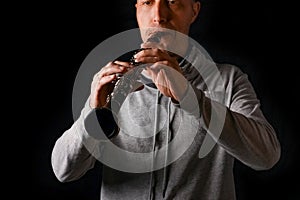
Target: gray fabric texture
(246,136)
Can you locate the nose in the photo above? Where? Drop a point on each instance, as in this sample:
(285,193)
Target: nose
(161,12)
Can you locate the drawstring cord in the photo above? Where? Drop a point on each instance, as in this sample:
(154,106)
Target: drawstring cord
(165,172)
(164,185)
(153,145)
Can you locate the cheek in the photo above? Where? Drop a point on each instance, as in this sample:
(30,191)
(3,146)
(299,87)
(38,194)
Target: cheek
(182,27)
(142,19)
(184,24)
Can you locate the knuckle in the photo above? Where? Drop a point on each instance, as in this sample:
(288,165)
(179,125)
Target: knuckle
(109,63)
(156,50)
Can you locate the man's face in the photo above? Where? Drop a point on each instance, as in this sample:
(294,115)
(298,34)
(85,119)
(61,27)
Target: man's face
(177,15)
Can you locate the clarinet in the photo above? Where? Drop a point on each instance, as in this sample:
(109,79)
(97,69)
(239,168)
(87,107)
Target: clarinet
(106,116)
(123,85)
(127,83)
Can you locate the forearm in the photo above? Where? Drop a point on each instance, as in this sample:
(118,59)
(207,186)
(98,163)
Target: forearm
(253,142)
(72,153)
(249,139)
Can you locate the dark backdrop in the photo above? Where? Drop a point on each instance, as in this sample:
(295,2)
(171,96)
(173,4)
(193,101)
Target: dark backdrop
(252,35)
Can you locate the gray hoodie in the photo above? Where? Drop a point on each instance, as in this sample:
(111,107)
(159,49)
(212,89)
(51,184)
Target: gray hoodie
(166,150)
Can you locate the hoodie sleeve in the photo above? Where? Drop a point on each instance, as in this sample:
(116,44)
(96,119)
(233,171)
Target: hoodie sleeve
(72,154)
(246,134)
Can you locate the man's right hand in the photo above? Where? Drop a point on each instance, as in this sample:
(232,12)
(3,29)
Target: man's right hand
(102,84)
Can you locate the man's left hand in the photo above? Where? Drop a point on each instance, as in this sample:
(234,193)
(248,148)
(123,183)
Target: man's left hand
(164,71)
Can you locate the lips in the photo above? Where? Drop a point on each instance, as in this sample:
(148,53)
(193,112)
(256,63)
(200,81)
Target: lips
(154,38)
(155,35)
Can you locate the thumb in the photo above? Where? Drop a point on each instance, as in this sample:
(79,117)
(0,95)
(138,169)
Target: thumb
(150,45)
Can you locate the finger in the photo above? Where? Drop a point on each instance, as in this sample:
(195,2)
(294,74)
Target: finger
(109,69)
(151,45)
(158,69)
(172,63)
(150,52)
(154,55)
(98,83)
(123,64)
(107,79)
(150,56)
(161,79)
(148,59)
(161,65)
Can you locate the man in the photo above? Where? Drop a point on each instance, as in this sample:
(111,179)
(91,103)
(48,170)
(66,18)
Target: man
(176,104)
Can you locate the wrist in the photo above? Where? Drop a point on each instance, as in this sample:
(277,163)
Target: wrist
(100,124)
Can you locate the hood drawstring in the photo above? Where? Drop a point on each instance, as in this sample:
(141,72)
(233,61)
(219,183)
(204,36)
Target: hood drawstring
(166,168)
(156,116)
(182,62)
(154,150)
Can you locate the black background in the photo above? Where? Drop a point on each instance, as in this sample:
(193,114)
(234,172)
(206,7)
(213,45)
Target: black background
(251,35)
